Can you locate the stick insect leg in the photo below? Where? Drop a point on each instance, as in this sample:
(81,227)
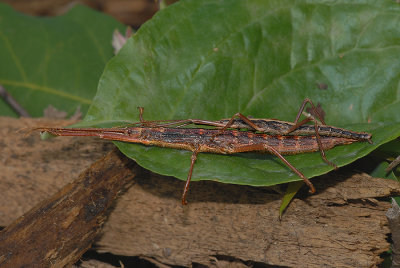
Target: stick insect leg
(162,123)
(142,121)
(297,124)
(261,147)
(185,190)
(141,110)
(245,119)
(303,105)
(321,150)
(232,120)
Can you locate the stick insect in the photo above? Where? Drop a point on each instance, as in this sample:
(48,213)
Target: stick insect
(218,141)
(270,126)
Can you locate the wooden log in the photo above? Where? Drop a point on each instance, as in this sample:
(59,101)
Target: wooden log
(342,225)
(393,216)
(32,169)
(58,230)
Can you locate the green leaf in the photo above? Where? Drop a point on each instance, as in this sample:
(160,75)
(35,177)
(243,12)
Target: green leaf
(55,60)
(291,191)
(386,154)
(380,172)
(210,59)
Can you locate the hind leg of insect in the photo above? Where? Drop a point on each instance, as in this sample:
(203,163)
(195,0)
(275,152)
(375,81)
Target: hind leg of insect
(242,149)
(297,124)
(264,147)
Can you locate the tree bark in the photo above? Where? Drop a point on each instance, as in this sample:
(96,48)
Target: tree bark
(58,230)
(342,225)
(393,216)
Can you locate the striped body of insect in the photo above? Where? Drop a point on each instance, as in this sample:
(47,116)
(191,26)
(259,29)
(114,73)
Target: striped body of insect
(215,141)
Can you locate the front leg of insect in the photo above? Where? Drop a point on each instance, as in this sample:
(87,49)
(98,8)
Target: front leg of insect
(189,177)
(297,124)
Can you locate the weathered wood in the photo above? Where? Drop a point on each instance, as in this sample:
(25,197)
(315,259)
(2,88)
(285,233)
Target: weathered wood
(58,230)
(342,225)
(32,169)
(393,216)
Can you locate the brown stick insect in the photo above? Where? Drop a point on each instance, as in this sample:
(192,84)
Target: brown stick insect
(286,138)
